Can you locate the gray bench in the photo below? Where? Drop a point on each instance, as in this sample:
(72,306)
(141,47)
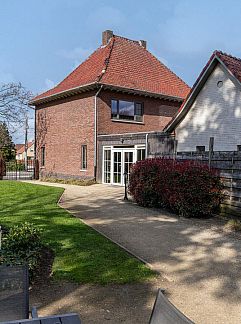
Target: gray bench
(57,319)
(164,312)
(14,300)
(14,296)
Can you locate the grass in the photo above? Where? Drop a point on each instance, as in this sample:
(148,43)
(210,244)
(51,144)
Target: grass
(234,225)
(81,254)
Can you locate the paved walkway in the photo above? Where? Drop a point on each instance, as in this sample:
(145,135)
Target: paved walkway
(201,262)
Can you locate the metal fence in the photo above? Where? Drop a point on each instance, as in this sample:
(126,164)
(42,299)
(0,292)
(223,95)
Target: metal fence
(18,170)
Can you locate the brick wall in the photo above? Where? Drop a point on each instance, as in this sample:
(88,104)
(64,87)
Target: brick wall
(63,127)
(216,112)
(157,113)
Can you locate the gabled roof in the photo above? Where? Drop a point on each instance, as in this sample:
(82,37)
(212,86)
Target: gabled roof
(124,64)
(231,64)
(20,148)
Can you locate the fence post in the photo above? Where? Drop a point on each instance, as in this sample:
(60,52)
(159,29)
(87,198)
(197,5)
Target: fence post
(2,168)
(175,149)
(211,143)
(36,169)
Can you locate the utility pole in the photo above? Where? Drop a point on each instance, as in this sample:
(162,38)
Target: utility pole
(26,142)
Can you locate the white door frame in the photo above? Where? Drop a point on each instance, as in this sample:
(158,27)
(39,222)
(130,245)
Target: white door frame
(122,150)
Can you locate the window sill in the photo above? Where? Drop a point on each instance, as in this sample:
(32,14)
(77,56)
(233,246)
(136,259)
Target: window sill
(127,121)
(83,170)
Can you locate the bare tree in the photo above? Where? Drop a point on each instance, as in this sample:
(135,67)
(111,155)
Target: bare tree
(14,108)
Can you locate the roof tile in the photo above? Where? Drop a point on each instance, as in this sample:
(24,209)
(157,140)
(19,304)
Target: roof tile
(124,63)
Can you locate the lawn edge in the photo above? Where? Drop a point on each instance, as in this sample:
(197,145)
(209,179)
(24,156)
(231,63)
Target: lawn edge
(110,239)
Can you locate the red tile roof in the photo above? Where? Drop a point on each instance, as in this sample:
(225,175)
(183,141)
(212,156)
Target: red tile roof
(233,64)
(123,63)
(20,148)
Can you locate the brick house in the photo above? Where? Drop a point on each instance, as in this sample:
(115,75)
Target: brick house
(20,151)
(94,123)
(212,109)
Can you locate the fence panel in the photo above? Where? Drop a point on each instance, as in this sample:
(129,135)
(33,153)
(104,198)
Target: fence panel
(19,170)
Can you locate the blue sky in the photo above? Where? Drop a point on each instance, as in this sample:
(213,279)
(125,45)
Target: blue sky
(43,40)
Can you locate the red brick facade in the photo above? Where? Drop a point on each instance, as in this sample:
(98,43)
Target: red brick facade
(64,125)
(157,114)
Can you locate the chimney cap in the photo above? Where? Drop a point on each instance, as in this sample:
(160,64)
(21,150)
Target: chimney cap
(106,36)
(142,43)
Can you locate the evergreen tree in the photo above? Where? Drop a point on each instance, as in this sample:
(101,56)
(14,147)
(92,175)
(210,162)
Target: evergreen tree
(7,147)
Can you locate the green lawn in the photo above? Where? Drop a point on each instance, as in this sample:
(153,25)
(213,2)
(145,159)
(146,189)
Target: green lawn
(81,254)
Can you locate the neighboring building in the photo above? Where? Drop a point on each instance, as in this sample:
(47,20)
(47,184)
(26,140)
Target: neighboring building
(20,151)
(94,123)
(212,109)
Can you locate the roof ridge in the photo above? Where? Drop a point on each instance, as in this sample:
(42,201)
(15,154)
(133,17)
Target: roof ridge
(226,54)
(107,60)
(128,39)
(88,57)
(68,75)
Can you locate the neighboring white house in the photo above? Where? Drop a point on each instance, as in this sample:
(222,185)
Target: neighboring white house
(212,109)
(20,151)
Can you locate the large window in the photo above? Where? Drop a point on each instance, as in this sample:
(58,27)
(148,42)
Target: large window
(107,165)
(43,156)
(83,157)
(126,110)
(141,154)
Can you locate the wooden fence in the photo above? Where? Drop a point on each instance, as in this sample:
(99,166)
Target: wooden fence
(228,163)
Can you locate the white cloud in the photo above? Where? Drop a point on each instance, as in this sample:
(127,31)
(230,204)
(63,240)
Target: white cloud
(49,84)
(106,17)
(194,28)
(77,53)
(160,58)
(6,77)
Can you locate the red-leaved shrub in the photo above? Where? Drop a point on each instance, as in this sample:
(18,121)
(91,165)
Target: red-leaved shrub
(188,188)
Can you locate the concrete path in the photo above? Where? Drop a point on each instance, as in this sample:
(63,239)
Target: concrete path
(201,262)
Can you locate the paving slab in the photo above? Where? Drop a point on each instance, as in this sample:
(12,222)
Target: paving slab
(201,261)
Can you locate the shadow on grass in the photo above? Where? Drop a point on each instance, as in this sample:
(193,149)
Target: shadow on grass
(81,254)
(194,251)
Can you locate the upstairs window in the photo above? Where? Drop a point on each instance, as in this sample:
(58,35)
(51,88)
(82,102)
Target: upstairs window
(83,157)
(127,110)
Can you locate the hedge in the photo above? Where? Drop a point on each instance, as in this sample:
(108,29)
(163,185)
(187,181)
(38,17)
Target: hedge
(186,187)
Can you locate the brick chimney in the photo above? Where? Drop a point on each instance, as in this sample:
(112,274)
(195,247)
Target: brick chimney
(106,36)
(142,43)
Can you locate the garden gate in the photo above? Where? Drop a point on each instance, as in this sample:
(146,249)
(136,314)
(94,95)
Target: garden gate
(19,170)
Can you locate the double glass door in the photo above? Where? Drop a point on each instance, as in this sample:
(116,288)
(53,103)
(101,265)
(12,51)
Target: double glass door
(122,162)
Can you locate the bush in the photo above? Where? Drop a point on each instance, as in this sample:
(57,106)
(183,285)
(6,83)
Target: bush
(233,225)
(76,182)
(15,166)
(22,245)
(188,188)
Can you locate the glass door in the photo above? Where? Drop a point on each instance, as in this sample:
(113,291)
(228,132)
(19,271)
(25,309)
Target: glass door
(128,161)
(117,167)
(116,162)
(107,166)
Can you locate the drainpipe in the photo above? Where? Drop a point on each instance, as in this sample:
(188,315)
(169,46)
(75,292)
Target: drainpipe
(146,144)
(95,139)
